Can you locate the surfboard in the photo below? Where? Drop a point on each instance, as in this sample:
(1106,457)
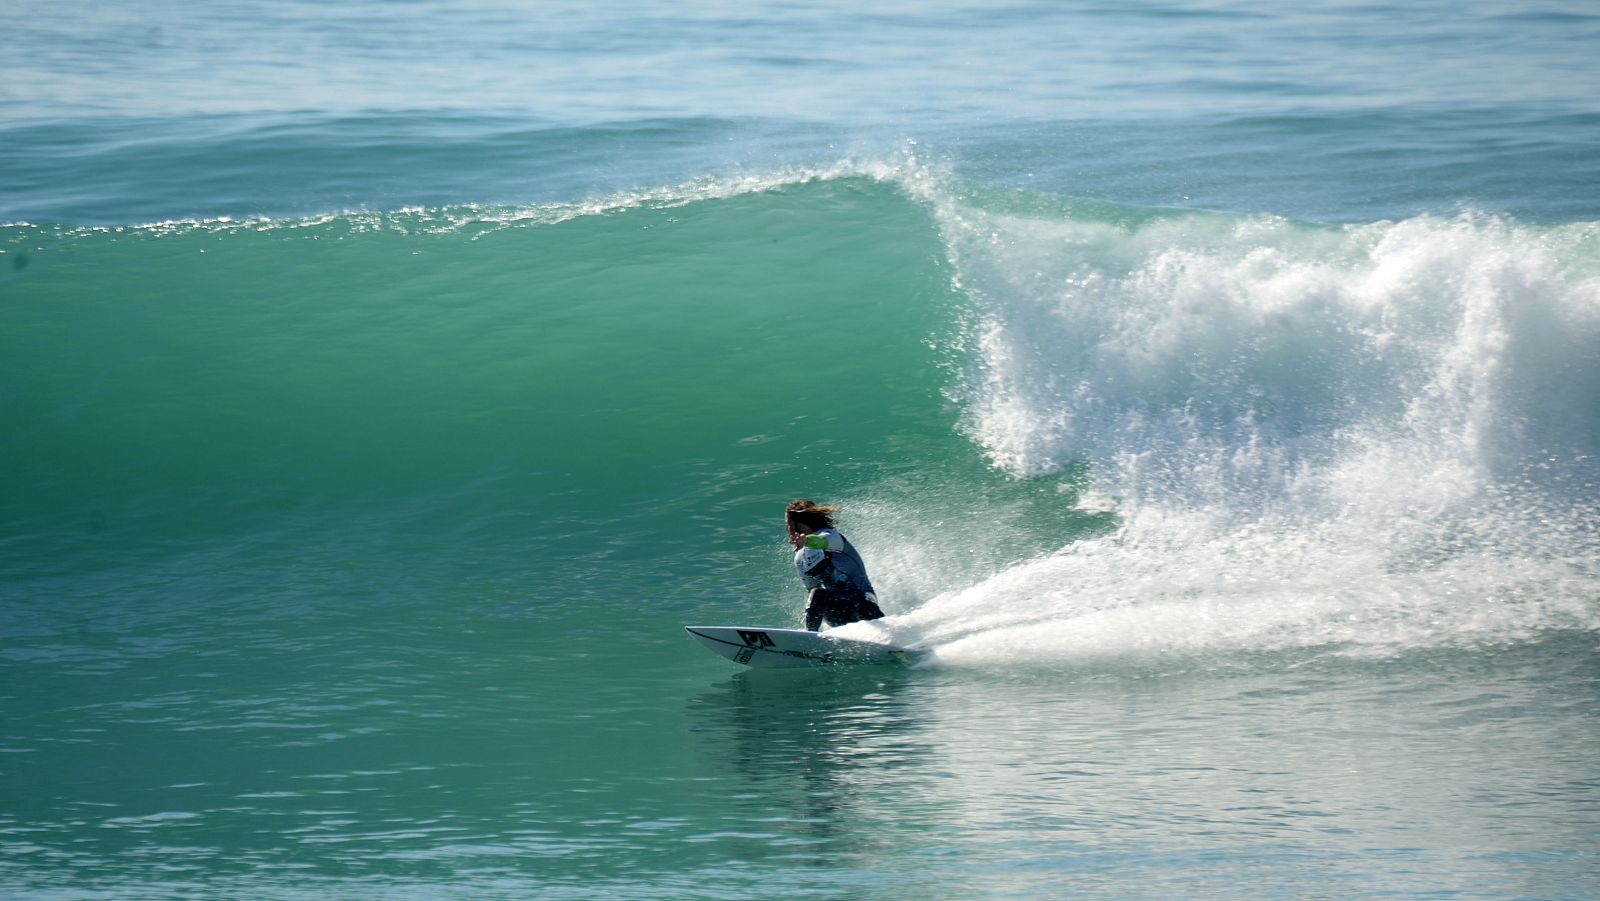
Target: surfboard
(759,646)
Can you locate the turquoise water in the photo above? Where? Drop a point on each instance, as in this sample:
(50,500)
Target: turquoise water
(1212,389)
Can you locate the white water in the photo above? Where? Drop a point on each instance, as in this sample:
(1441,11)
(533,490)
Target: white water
(1361,440)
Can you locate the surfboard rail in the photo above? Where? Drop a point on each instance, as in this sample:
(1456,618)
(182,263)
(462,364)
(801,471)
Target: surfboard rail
(764,647)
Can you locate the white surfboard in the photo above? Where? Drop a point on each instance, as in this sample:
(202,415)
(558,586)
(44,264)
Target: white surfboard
(760,646)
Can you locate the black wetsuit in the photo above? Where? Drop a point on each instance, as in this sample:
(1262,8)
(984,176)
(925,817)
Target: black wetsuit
(840,590)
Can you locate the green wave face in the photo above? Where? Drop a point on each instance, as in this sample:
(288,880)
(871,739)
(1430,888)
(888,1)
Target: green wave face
(1033,409)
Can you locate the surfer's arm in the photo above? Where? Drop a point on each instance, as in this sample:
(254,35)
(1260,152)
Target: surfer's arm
(812,560)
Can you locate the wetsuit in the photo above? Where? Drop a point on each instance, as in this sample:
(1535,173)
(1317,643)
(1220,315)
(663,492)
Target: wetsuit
(840,590)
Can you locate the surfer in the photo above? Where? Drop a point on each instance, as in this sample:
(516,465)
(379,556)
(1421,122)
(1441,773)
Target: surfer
(829,567)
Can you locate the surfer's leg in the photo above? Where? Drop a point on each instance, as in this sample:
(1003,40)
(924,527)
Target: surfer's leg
(838,608)
(868,608)
(854,608)
(816,608)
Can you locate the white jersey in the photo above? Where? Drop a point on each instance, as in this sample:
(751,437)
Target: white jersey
(827,560)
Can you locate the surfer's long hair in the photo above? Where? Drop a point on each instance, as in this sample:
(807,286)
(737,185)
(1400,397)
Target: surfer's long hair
(804,516)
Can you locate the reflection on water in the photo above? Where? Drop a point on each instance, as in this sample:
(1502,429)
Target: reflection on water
(1310,781)
(836,760)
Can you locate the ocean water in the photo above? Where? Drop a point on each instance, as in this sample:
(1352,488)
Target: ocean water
(1214,389)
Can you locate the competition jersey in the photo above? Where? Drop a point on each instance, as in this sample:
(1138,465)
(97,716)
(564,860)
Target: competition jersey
(827,560)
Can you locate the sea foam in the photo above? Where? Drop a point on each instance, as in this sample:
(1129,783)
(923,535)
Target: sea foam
(1360,440)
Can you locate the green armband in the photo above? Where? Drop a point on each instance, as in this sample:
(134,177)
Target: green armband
(817,542)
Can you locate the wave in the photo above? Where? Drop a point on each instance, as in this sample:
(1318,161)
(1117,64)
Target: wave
(194,381)
(1160,432)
